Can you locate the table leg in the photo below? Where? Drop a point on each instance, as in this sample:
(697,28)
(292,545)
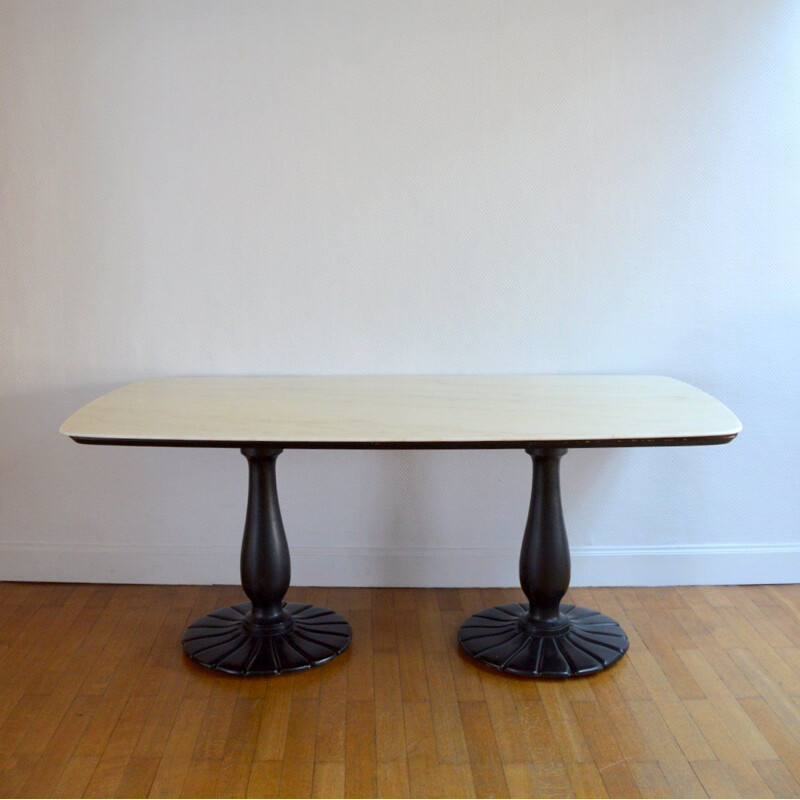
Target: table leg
(266,636)
(544,637)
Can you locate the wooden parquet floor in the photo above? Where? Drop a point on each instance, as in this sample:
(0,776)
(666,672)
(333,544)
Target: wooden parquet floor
(97,700)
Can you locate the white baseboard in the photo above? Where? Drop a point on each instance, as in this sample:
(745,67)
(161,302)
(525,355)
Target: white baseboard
(375,566)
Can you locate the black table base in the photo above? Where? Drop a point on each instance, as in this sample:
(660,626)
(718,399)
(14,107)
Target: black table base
(499,637)
(227,640)
(540,638)
(265,636)
(543,638)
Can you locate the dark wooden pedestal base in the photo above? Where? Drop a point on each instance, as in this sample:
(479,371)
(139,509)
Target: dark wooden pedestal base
(588,642)
(228,641)
(543,638)
(266,636)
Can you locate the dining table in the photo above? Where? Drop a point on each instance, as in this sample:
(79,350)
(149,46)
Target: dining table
(544,415)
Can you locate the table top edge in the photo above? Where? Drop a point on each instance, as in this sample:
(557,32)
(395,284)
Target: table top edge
(666,441)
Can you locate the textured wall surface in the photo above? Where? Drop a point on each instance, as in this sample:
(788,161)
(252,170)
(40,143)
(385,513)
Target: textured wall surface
(396,187)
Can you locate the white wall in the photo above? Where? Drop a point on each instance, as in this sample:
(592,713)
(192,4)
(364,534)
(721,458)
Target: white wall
(399,187)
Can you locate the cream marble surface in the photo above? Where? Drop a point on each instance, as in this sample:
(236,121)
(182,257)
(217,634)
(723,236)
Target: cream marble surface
(404,409)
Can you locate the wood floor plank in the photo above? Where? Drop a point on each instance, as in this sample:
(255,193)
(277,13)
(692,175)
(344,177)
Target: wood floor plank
(265,779)
(727,748)
(384,621)
(484,755)
(776,696)
(233,777)
(161,717)
(201,779)
(538,779)
(622,725)
(721,662)
(650,779)
(786,745)
(758,616)
(119,748)
(619,780)
(210,745)
(565,725)
(682,778)
(451,746)
(423,764)
(271,744)
(709,616)
(733,716)
(663,639)
(456,780)
(675,766)
(466,677)
(332,710)
(297,779)
(137,777)
(14,771)
(780,781)
(717,779)
(392,779)
(586,780)
(672,708)
(176,759)
(360,754)
(76,776)
(603,746)
(298,767)
(163,652)
(328,779)
(413,679)
(768,659)
(42,780)
(40,641)
(19,721)
(506,722)
(234,774)
(390,735)
(360,657)
(716,596)
(61,685)
(538,731)
(786,621)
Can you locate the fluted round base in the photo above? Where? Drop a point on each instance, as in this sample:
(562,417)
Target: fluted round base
(591,642)
(225,640)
